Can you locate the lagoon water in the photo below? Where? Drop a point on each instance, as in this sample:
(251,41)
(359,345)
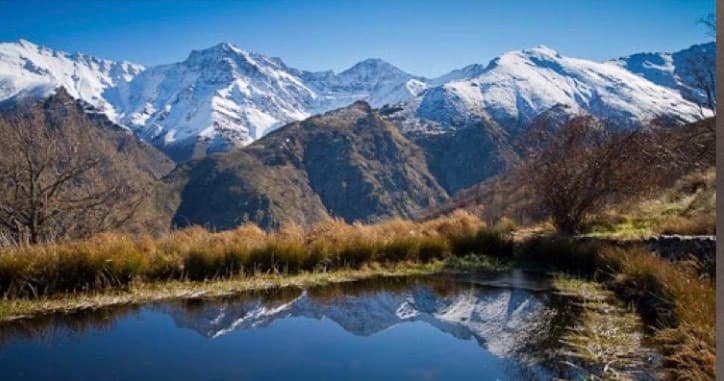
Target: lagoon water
(500,327)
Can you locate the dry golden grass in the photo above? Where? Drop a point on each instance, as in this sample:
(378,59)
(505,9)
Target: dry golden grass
(116,260)
(670,296)
(697,224)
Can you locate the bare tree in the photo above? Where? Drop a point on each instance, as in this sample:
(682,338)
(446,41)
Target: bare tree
(700,73)
(580,167)
(709,22)
(700,70)
(61,178)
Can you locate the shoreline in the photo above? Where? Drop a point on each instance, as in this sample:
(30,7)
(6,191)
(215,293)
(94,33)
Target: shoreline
(141,293)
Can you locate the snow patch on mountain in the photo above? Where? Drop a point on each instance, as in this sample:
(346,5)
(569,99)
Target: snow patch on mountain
(373,80)
(241,96)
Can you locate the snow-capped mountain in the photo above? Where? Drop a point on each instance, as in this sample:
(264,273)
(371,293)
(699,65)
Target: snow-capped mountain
(373,80)
(220,91)
(518,86)
(684,70)
(224,96)
(27,69)
(227,95)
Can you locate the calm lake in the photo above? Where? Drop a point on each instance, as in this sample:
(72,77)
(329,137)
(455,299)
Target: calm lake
(501,327)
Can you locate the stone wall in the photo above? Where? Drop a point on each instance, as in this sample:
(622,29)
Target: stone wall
(681,247)
(674,247)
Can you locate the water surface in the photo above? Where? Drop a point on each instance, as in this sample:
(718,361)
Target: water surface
(432,328)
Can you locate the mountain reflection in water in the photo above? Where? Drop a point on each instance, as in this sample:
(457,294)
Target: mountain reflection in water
(500,327)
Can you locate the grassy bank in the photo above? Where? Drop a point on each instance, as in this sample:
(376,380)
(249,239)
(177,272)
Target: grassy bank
(141,292)
(607,339)
(677,302)
(670,297)
(113,269)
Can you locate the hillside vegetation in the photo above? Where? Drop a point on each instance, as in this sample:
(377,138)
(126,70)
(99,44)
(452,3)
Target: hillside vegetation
(673,175)
(688,207)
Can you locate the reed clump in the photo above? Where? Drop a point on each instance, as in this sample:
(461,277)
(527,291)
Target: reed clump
(677,301)
(112,260)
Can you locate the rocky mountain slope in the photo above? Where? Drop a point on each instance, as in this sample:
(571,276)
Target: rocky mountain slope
(465,156)
(347,163)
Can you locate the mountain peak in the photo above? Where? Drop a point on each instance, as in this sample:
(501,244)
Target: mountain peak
(373,65)
(541,51)
(374,62)
(362,106)
(226,46)
(220,49)
(27,44)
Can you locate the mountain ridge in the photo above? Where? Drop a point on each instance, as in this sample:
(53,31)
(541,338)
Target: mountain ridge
(224,97)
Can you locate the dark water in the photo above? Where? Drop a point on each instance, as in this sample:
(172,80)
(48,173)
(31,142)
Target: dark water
(500,328)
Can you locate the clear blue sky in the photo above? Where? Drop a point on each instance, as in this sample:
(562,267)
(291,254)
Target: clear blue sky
(422,37)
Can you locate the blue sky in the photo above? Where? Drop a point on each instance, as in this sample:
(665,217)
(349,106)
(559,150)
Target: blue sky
(422,37)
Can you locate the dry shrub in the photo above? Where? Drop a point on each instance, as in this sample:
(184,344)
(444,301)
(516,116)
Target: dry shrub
(335,242)
(563,253)
(431,248)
